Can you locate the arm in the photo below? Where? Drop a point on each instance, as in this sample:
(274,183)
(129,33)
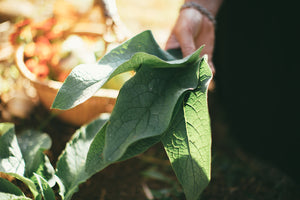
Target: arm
(193,29)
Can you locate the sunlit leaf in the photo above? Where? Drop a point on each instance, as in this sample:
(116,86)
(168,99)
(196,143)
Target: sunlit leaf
(188,141)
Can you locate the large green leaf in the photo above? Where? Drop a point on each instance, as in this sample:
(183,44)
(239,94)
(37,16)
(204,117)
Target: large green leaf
(145,106)
(86,79)
(149,105)
(141,105)
(11,160)
(71,164)
(32,144)
(188,141)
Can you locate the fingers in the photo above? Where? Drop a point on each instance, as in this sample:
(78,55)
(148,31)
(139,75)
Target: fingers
(187,43)
(186,29)
(191,31)
(207,37)
(172,43)
(184,41)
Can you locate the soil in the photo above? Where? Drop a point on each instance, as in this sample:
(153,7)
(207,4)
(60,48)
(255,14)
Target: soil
(235,174)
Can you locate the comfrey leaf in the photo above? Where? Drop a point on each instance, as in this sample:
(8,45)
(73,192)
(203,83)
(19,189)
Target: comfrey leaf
(188,140)
(164,101)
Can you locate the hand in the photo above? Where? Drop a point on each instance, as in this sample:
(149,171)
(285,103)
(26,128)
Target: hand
(192,30)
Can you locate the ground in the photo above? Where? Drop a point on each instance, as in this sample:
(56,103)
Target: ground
(235,174)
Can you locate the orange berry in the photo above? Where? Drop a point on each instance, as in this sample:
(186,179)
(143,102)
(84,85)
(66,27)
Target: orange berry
(29,50)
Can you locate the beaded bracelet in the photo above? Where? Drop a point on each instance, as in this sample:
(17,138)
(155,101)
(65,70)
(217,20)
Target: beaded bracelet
(201,9)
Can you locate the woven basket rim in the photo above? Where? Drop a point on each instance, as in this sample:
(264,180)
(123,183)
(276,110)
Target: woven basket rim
(56,85)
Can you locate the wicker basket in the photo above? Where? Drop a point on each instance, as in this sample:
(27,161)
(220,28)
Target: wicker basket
(102,102)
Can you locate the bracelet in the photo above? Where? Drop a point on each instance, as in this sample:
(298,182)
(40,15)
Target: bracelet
(201,9)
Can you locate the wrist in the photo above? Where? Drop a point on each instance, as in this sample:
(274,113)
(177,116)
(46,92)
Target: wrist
(211,5)
(204,11)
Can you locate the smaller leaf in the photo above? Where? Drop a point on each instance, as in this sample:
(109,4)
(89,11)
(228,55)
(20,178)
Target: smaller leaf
(62,188)
(11,160)
(32,144)
(44,169)
(44,189)
(8,187)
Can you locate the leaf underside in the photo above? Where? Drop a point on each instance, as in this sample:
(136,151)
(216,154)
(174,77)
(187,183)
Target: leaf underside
(188,141)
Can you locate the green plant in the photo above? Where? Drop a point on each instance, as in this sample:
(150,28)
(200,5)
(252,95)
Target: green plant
(26,162)
(165,101)
(22,157)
